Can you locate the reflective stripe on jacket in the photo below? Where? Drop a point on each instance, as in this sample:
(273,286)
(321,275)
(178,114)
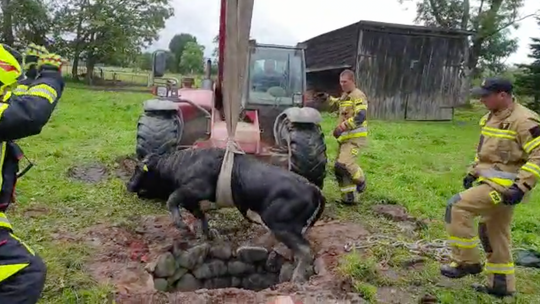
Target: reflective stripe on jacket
(353,112)
(508,150)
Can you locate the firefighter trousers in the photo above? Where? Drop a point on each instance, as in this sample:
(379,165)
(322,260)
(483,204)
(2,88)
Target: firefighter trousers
(493,233)
(349,175)
(22,272)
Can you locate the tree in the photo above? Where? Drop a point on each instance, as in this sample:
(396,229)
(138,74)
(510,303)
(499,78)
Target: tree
(177,45)
(528,81)
(25,21)
(144,61)
(108,31)
(192,59)
(490,20)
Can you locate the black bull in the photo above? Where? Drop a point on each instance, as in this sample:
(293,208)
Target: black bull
(286,203)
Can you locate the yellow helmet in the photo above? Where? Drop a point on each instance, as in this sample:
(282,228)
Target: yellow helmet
(10,65)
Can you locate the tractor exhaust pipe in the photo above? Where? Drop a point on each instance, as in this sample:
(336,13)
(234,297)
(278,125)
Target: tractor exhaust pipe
(207,83)
(208,69)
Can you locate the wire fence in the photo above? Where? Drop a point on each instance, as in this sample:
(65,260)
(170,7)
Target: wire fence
(105,76)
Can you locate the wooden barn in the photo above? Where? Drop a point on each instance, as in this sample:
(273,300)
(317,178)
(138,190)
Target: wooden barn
(408,72)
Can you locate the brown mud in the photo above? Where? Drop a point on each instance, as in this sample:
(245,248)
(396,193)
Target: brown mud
(121,254)
(88,173)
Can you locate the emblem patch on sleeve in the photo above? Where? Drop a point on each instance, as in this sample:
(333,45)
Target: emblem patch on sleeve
(535,131)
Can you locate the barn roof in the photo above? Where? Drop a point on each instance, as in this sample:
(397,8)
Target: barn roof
(337,49)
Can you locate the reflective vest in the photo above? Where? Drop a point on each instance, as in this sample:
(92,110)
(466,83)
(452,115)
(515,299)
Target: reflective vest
(509,148)
(349,106)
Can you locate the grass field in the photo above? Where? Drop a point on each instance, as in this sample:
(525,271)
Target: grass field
(417,165)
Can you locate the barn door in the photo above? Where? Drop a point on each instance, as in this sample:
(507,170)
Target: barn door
(414,67)
(426,97)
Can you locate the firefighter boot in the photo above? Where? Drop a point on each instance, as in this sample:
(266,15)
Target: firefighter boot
(348,198)
(361,187)
(456,271)
(496,291)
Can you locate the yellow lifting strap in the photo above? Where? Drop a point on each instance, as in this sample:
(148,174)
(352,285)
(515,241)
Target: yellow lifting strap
(238,26)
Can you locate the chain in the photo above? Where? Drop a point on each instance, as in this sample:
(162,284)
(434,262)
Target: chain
(437,249)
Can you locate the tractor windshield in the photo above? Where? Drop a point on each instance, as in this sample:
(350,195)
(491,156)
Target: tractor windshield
(275,76)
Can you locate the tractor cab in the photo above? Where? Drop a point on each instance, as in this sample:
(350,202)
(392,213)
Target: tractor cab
(275,81)
(275,77)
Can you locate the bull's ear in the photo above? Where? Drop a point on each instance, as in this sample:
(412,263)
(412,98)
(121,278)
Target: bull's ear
(167,147)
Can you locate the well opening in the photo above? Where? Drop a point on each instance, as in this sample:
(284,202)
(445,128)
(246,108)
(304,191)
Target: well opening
(212,265)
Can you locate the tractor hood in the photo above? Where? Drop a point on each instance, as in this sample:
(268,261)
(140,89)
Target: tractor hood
(247,134)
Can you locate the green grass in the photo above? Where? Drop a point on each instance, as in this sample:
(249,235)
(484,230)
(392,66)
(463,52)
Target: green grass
(418,165)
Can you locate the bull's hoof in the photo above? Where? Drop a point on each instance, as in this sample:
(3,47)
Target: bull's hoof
(299,276)
(180,225)
(213,235)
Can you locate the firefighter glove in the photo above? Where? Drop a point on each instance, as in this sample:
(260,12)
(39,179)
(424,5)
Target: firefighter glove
(32,54)
(513,196)
(50,62)
(339,130)
(468,181)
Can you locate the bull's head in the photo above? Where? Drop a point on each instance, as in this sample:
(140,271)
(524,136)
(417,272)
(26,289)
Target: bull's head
(145,179)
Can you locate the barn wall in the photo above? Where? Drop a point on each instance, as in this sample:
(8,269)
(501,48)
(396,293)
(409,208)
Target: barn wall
(335,48)
(409,74)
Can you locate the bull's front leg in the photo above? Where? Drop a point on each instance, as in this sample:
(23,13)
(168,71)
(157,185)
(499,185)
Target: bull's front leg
(210,234)
(173,204)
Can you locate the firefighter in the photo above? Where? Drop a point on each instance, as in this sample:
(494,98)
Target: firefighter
(351,134)
(505,170)
(23,112)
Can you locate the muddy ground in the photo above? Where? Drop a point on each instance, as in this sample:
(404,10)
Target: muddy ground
(121,254)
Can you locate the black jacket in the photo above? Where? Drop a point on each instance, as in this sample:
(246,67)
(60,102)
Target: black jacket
(23,113)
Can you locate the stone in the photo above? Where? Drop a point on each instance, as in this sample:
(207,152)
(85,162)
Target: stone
(285,275)
(222,251)
(179,247)
(161,284)
(150,267)
(413,261)
(259,281)
(188,283)
(274,262)
(355,298)
(216,283)
(165,266)
(180,272)
(239,268)
(211,269)
(319,266)
(236,282)
(394,213)
(284,251)
(193,257)
(250,254)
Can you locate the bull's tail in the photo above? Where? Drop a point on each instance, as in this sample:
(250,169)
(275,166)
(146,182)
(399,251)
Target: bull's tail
(320,201)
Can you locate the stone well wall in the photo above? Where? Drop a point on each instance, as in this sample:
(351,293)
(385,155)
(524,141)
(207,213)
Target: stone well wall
(210,266)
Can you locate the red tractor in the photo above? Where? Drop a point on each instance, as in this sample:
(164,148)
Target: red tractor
(273,124)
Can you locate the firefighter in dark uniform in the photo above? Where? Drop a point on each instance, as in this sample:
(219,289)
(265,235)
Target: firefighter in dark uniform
(24,110)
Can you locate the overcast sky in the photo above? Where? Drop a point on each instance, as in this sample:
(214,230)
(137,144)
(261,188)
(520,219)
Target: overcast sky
(291,21)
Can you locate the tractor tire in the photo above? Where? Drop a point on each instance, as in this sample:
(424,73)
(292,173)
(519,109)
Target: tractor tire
(156,128)
(307,151)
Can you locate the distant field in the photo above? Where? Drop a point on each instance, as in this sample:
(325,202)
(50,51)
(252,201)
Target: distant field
(123,75)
